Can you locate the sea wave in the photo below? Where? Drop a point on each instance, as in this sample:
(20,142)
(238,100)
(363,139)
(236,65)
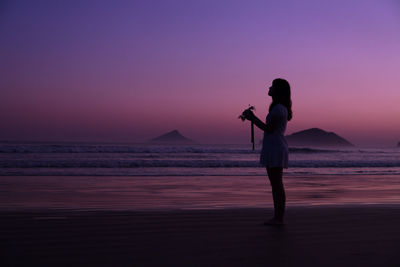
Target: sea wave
(135,149)
(144,163)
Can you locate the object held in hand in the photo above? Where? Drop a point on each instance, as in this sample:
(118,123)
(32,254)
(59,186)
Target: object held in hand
(245,116)
(245,113)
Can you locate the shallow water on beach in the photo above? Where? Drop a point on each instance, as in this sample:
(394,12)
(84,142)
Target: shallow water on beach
(203,192)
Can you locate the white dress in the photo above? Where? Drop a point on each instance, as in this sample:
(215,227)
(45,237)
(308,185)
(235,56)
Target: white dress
(274,151)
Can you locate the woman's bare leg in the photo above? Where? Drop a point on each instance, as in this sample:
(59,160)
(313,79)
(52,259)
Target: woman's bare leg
(278,192)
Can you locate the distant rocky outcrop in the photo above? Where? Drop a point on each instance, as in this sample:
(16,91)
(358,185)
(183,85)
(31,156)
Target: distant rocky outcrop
(398,144)
(173,137)
(315,137)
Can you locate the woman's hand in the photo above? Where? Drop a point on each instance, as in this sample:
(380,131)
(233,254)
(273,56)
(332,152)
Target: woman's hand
(248,115)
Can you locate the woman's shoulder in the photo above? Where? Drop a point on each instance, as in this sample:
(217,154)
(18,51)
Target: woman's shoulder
(279,109)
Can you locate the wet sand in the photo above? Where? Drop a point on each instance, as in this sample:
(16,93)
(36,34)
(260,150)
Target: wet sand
(357,235)
(195,192)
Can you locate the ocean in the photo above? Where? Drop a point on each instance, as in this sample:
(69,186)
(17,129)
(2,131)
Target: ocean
(145,176)
(44,159)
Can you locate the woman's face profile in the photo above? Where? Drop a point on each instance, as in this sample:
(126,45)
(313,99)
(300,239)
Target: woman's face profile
(271,90)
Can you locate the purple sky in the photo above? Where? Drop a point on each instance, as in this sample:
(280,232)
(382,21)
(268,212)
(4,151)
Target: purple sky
(131,70)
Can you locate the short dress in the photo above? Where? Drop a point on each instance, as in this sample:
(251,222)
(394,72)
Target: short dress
(274,151)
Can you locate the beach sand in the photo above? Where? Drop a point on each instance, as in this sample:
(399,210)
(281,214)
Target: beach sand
(356,235)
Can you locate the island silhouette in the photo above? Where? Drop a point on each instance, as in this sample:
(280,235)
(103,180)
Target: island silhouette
(173,137)
(313,137)
(316,137)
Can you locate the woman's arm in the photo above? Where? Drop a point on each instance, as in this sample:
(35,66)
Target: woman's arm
(266,127)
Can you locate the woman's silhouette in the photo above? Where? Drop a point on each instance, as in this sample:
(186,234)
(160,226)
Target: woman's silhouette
(274,153)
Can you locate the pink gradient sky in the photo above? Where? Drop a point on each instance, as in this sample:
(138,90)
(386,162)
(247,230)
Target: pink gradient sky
(131,70)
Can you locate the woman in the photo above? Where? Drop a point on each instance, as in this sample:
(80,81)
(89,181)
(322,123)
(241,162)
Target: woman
(274,153)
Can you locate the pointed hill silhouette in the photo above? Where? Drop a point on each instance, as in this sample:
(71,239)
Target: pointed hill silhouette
(173,137)
(316,137)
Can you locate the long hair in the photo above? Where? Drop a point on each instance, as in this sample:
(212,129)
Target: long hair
(282,96)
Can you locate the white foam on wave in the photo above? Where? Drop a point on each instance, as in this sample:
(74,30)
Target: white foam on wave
(28,159)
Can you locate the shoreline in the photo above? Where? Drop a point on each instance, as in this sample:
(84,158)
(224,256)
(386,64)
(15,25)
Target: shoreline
(201,192)
(289,209)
